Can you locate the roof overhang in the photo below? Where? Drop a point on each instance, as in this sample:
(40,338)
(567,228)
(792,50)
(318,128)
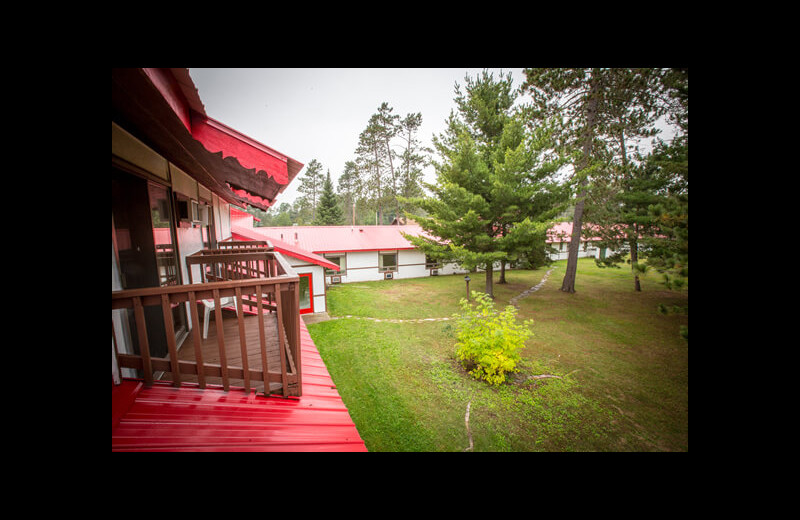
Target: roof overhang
(162,108)
(282,247)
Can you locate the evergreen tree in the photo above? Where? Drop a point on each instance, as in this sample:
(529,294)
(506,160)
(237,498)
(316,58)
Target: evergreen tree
(412,161)
(350,187)
(311,187)
(328,213)
(597,109)
(629,116)
(491,173)
(372,164)
(388,127)
(669,251)
(283,216)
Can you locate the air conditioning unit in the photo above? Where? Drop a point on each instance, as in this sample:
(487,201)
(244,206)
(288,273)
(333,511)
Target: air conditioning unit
(434,272)
(388,275)
(336,279)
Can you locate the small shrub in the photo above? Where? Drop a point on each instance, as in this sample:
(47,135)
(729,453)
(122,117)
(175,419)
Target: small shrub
(488,341)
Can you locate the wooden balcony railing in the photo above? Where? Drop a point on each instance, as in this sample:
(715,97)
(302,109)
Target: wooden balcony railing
(261,281)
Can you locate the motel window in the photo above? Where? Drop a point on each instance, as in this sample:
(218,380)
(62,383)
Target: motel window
(339,260)
(387,262)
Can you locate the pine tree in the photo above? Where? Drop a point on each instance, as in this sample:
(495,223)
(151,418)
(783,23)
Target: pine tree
(311,187)
(599,109)
(349,188)
(491,171)
(412,160)
(372,165)
(328,213)
(669,251)
(629,116)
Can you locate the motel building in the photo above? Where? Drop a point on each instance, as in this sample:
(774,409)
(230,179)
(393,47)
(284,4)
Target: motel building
(328,255)
(364,253)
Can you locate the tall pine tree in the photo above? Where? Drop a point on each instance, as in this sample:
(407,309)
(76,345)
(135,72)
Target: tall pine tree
(311,187)
(598,108)
(491,171)
(412,159)
(373,165)
(328,213)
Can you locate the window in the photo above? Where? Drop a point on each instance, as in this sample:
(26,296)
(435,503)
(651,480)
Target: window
(207,226)
(430,263)
(387,262)
(339,260)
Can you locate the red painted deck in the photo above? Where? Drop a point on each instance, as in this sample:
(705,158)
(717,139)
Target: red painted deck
(165,418)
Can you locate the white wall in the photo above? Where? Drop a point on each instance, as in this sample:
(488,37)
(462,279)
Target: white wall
(317,280)
(411,264)
(591,251)
(362,266)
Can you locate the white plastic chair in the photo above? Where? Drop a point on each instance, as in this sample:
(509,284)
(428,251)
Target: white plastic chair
(209,305)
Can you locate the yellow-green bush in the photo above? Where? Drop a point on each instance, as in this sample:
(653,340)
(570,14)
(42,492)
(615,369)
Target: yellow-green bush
(488,341)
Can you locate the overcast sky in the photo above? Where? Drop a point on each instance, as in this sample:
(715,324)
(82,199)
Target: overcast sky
(319,113)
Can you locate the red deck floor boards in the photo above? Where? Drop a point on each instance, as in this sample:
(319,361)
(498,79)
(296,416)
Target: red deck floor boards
(165,418)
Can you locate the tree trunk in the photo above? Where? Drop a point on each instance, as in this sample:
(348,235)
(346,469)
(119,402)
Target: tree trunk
(502,272)
(634,243)
(490,279)
(568,284)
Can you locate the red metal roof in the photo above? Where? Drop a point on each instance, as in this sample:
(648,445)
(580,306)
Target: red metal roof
(165,418)
(245,233)
(336,239)
(562,232)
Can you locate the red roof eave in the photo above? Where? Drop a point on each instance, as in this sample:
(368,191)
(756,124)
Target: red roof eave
(219,138)
(275,169)
(244,233)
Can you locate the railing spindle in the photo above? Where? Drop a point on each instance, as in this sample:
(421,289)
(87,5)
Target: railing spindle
(223,357)
(262,339)
(281,343)
(243,339)
(173,349)
(198,351)
(144,345)
(295,341)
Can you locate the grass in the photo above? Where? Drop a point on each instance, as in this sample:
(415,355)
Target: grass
(622,365)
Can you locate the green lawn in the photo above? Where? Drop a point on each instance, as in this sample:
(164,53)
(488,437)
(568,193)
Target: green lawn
(624,368)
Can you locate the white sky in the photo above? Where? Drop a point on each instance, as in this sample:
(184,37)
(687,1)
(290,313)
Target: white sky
(319,113)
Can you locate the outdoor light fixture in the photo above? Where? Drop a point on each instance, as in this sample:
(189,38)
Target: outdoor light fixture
(466,279)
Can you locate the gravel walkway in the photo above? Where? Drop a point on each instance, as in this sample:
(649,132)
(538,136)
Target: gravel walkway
(533,289)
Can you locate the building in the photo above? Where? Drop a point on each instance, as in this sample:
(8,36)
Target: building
(560,235)
(311,268)
(362,253)
(253,381)
(371,253)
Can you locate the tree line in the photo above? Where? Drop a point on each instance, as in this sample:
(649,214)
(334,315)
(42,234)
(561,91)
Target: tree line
(386,169)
